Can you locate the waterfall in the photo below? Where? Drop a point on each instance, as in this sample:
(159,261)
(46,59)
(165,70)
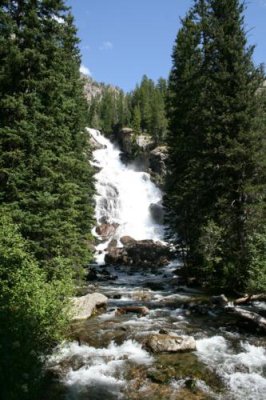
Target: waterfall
(124,195)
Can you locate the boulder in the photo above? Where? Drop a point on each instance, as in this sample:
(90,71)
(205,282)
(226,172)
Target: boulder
(83,307)
(106,230)
(116,256)
(127,240)
(133,309)
(157,212)
(139,253)
(149,252)
(112,244)
(170,343)
(219,301)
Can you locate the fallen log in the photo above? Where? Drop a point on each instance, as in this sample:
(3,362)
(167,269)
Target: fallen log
(250,298)
(250,316)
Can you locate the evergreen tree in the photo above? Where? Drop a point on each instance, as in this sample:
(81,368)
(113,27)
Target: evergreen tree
(215,150)
(183,194)
(45,172)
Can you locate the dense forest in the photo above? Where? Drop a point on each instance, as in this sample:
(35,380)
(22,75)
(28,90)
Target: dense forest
(143,109)
(211,115)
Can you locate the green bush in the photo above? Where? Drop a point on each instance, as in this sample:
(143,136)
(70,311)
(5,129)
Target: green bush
(33,314)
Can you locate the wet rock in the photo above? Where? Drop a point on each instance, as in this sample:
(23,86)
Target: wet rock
(170,343)
(117,296)
(139,253)
(127,240)
(157,212)
(125,137)
(155,285)
(112,244)
(92,275)
(94,144)
(158,157)
(142,310)
(220,301)
(106,230)
(83,307)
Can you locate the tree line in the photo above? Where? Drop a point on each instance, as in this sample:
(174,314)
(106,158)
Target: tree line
(46,185)
(143,109)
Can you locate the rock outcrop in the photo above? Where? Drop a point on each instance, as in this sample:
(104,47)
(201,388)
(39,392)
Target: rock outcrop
(143,151)
(170,343)
(94,144)
(158,157)
(106,231)
(139,253)
(83,307)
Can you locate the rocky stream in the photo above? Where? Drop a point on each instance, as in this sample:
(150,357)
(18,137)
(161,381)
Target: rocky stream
(153,337)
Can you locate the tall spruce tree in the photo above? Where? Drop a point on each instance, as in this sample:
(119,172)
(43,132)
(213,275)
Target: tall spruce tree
(184,138)
(222,164)
(45,174)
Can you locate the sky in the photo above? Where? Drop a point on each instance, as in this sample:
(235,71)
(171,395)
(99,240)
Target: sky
(121,40)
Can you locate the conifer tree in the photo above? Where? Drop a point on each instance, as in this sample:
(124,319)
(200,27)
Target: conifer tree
(214,194)
(45,173)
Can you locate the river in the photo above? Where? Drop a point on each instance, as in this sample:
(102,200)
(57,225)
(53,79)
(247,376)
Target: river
(111,361)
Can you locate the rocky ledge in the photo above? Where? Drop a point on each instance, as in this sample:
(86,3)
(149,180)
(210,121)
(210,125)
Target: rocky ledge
(139,252)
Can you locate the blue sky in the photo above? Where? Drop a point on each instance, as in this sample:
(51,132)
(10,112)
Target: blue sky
(121,40)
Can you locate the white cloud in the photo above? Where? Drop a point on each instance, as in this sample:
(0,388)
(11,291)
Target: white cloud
(84,70)
(107,46)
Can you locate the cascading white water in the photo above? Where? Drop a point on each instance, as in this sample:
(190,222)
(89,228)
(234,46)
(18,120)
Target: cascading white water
(124,195)
(99,367)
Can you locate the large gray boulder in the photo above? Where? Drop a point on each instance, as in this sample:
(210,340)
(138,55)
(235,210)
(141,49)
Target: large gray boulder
(170,343)
(83,307)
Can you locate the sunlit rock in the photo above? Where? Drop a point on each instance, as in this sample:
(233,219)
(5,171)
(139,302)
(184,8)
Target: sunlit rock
(83,307)
(170,343)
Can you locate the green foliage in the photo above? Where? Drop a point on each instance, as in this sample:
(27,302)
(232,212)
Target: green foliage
(215,190)
(45,174)
(46,185)
(143,109)
(257,271)
(33,313)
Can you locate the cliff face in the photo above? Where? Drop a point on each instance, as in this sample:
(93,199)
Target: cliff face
(143,150)
(94,89)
